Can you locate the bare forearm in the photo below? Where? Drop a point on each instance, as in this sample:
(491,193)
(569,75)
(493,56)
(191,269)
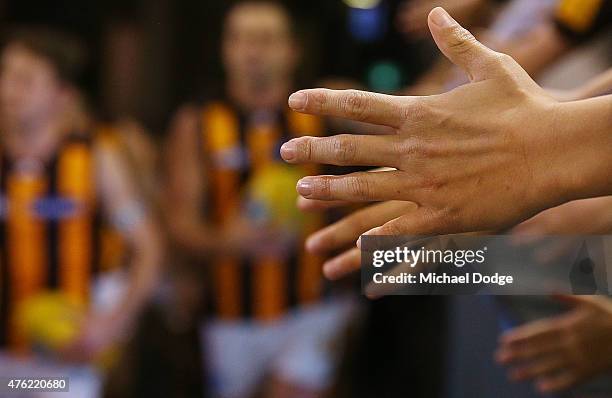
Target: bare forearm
(600,85)
(144,273)
(538,49)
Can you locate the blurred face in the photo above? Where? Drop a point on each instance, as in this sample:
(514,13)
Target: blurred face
(258,48)
(29,88)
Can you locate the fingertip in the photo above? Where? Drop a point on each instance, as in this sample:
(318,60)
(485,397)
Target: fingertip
(288,151)
(329,271)
(336,268)
(298,100)
(440,18)
(313,243)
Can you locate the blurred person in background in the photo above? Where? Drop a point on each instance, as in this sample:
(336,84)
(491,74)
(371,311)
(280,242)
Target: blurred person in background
(273,329)
(57,185)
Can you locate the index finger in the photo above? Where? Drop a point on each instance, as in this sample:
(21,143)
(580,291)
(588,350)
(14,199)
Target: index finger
(362,106)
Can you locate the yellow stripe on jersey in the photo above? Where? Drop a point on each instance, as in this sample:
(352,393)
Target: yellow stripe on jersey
(76,180)
(261,143)
(578,15)
(26,247)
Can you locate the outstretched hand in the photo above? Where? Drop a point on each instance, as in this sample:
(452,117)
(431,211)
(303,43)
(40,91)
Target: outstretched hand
(560,352)
(484,156)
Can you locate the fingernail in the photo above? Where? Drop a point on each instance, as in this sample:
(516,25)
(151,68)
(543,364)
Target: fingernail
(440,17)
(358,243)
(297,101)
(304,187)
(288,151)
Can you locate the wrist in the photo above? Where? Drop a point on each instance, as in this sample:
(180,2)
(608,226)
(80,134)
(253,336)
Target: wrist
(582,143)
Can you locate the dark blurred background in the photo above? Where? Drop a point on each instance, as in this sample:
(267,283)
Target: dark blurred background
(147,57)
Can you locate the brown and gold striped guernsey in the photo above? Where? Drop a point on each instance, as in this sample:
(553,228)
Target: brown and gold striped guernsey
(50,231)
(241,288)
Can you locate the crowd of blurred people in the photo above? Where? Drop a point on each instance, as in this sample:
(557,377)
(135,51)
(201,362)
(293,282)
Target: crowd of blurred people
(177,264)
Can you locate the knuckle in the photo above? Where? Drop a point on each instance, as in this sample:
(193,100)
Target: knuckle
(408,148)
(420,110)
(430,181)
(324,190)
(461,40)
(425,113)
(344,149)
(318,99)
(501,61)
(359,187)
(355,104)
(305,146)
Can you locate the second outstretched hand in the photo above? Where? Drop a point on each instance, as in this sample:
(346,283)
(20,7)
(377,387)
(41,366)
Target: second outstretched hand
(486,155)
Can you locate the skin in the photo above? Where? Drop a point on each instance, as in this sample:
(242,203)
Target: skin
(599,85)
(560,352)
(569,221)
(259,54)
(584,217)
(34,103)
(484,156)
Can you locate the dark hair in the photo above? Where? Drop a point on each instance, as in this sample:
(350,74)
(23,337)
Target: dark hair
(65,52)
(281,5)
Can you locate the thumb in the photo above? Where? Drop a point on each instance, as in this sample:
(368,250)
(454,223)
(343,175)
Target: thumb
(460,47)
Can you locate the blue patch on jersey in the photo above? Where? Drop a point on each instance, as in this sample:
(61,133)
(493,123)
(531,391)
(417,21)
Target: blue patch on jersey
(55,208)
